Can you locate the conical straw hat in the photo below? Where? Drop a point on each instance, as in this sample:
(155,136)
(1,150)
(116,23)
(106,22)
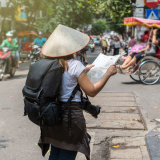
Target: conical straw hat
(64,41)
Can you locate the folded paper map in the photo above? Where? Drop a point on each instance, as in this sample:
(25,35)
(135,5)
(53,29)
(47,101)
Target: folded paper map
(102,63)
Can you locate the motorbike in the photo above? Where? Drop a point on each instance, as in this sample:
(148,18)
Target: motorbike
(6,62)
(25,45)
(34,54)
(92,47)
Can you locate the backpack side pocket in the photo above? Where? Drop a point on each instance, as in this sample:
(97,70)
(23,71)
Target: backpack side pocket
(33,111)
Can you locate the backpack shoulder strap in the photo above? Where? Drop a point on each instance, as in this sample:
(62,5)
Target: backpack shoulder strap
(67,106)
(72,96)
(37,73)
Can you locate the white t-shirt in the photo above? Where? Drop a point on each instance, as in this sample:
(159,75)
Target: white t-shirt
(117,44)
(70,80)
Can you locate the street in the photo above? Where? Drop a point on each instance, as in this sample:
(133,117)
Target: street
(129,111)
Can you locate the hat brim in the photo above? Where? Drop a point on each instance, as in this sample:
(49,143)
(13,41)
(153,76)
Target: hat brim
(64,41)
(70,53)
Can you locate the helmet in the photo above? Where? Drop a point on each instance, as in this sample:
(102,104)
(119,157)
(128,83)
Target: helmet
(9,34)
(40,33)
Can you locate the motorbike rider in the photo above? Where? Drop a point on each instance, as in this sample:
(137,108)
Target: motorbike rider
(11,43)
(92,40)
(39,40)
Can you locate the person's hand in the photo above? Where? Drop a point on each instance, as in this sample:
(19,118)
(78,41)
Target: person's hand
(88,67)
(112,70)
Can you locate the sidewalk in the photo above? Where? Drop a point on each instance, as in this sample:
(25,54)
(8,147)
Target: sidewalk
(119,131)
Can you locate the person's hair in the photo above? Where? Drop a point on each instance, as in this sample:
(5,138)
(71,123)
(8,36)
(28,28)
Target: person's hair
(141,40)
(63,61)
(132,37)
(117,38)
(158,34)
(146,32)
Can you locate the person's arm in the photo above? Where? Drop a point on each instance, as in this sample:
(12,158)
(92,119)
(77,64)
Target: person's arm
(154,40)
(3,44)
(14,44)
(144,49)
(107,43)
(34,42)
(128,44)
(93,89)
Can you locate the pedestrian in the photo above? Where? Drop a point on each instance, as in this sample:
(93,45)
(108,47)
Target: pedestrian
(117,46)
(84,53)
(132,42)
(62,145)
(109,44)
(18,39)
(104,45)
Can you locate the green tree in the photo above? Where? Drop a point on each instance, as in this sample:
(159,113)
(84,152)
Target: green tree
(7,12)
(113,10)
(73,13)
(99,27)
(33,7)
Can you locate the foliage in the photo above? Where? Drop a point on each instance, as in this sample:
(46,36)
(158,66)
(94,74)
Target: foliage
(113,11)
(99,27)
(73,13)
(32,9)
(4,12)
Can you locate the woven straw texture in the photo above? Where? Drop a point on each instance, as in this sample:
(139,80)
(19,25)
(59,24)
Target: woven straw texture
(64,41)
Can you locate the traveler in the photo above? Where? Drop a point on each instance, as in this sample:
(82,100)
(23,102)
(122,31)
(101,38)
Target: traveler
(62,145)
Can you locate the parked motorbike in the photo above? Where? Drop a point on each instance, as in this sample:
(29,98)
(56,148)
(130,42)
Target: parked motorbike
(6,62)
(34,54)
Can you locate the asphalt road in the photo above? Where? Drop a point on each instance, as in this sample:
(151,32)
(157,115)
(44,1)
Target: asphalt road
(19,137)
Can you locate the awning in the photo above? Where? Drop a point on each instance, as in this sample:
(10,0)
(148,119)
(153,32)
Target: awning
(24,33)
(132,21)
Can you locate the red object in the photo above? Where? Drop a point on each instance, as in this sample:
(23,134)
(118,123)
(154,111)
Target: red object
(27,46)
(149,23)
(78,53)
(146,36)
(5,55)
(158,54)
(46,35)
(151,3)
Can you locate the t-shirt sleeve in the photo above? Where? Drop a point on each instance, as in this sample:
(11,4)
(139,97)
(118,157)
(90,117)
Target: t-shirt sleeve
(35,41)
(78,69)
(3,44)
